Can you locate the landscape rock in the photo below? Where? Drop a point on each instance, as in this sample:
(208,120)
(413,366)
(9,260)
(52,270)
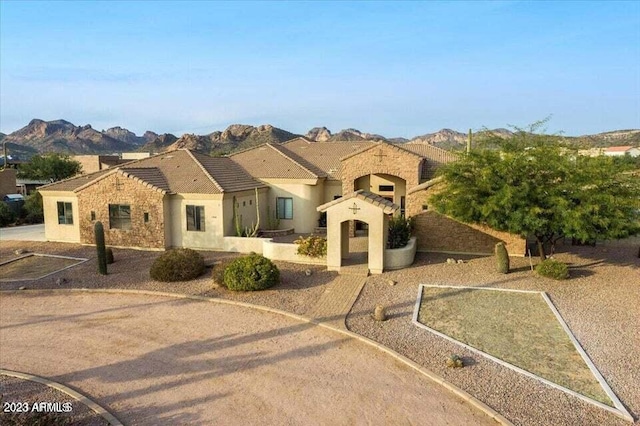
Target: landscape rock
(392,282)
(61,281)
(451,260)
(22,288)
(380,313)
(308,272)
(21,251)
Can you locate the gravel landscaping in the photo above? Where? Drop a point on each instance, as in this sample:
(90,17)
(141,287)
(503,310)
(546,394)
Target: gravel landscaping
(601,305)
(296,293)
(21,391)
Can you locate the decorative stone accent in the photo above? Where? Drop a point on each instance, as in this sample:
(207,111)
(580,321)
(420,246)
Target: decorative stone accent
(380,313)
(118,189)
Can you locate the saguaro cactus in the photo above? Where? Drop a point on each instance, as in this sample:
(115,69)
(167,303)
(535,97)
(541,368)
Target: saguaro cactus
(98,230)
(502,258)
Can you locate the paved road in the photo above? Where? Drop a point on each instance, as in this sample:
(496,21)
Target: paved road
(155,360)
(23,233)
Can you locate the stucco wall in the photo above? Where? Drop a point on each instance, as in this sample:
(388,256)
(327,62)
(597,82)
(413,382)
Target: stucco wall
(54,231)
(212,236)
(288,252)
(117,189)
(306,198)
(332,188)
(246,201)
(244,244)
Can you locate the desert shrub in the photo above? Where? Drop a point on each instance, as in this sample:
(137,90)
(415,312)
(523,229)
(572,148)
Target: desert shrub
(217,273)
(454,361)
(252,272)
(177,265)
(7,216)
(399,232)
(551,268)
(312,246)
(32,208)
(502,258)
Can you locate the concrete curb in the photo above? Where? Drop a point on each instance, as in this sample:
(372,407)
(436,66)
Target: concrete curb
(497,417)
(113,421)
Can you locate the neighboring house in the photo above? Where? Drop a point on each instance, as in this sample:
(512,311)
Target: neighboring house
(7,182)
(615,151)
(28,186)
(94,163)
(185,199)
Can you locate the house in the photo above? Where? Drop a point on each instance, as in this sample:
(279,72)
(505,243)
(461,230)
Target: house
(186,199)
(616,151)
(176,199)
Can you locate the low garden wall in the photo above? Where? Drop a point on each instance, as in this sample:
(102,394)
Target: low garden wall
(243,244)
(276,233)
(401,257)
(289,253)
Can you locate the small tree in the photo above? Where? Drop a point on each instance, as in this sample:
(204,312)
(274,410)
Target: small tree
(52,167)
(33,209)
(533,186)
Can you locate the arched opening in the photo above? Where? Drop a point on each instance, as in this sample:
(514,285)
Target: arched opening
(355,250)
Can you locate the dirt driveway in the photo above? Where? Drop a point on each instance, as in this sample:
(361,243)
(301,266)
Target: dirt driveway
(156,360)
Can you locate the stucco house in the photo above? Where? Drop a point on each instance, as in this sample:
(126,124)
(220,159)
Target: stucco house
(617,151)
(185,199)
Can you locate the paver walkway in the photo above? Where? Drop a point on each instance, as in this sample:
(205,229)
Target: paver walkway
(337,300)
(155,360)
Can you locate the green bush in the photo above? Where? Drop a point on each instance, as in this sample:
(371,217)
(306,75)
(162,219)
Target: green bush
(217,273)
(399,232)
(177,265)
(312,246)
(7,216)
(551,268)
(32,209)
(253,272)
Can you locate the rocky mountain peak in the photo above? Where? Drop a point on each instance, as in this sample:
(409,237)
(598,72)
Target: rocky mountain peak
(319,134)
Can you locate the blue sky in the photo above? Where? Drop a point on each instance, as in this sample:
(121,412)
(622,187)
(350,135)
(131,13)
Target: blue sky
(398,69)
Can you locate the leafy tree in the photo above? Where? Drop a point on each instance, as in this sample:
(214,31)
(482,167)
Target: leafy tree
(534,187)
(33,210)
(53,167)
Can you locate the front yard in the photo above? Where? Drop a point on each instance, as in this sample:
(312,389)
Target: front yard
(600,303)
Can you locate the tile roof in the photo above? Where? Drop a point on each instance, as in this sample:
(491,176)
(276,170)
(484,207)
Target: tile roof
(324,156)
(619,148)
(386,205)
(271,161)
(179,171)
(73,183)
(149,175)
(434,157)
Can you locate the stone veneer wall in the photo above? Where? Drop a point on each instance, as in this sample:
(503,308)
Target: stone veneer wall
(395,162)
(436,232)
(141,198)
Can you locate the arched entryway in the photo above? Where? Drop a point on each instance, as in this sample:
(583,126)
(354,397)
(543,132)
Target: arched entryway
(363,206)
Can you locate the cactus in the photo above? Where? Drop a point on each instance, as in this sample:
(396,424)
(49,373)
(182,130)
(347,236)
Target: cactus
(502,258)
(237,219)
(454,361)
(102,251)
(110,259)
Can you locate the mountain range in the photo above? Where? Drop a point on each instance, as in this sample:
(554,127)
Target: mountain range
(41,136)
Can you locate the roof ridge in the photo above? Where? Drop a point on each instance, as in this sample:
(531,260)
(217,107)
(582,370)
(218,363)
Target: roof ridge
(124,173)
(446,151)
(291,159)
(204,169)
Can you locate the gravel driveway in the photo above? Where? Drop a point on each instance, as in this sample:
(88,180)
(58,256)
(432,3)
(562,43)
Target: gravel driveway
(154,360)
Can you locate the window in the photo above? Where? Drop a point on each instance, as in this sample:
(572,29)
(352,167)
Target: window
(385,188)
(65,213)
(146,217)
(195,218)
(284,208)
(93,215)
(120,216)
